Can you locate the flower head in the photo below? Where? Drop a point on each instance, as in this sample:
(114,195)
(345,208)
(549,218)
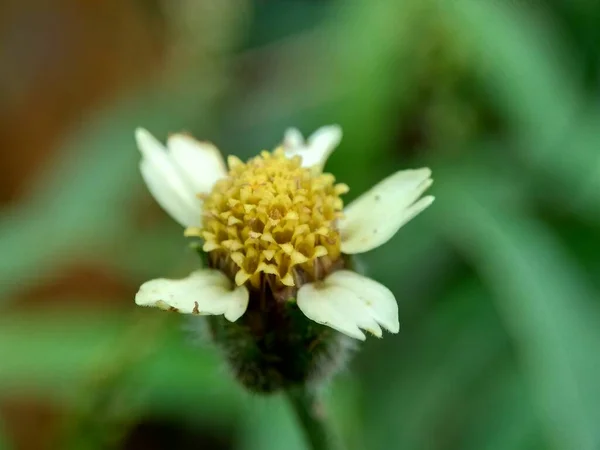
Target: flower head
(276,231)
(272,220)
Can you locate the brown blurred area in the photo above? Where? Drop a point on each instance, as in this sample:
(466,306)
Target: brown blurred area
(59,61)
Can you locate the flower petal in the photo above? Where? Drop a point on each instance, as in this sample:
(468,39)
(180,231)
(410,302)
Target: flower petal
(380,300)
(292,138)
(325,305)
(373,218)
(168,198)
(165,181)
(200,162)
(317,148)
(347,302)
(204,292)
(324,141)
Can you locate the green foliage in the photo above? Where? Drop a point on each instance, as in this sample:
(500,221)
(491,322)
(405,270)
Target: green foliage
(496,282)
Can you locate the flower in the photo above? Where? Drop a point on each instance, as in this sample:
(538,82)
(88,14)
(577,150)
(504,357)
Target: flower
(275,230)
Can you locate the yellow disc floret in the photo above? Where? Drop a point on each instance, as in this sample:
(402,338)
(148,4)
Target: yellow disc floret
(272,220)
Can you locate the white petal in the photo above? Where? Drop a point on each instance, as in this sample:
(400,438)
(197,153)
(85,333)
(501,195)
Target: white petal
(325,305)
(204,292)
(166,182)
(200,162)
(347,302)
(324,141)
(373,218)
(169,199)
(318,147)
(380,300)
(293,139)
(155,154)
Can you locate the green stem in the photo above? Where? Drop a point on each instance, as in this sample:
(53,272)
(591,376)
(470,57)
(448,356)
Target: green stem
(315,425)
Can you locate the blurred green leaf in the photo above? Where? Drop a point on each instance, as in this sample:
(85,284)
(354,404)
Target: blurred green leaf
(524,67)
(529,74)
(161,251)
(343,400)
(503,417)
(271,425)
(545,300)
(432,370)
(4,441)
(370,53)
(50,352)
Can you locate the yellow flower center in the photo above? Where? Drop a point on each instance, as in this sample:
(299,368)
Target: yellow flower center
(272,220)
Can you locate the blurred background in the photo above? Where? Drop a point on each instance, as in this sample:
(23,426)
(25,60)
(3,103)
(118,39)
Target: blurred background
(497,283)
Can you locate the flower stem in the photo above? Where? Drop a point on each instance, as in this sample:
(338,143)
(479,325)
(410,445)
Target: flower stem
(315,425)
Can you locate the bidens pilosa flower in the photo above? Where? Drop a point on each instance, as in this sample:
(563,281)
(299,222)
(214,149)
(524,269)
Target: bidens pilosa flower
(277,237)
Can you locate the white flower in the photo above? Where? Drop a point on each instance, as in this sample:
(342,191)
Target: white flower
(342,299)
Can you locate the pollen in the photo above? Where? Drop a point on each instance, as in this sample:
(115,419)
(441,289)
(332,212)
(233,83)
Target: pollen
(272,220)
